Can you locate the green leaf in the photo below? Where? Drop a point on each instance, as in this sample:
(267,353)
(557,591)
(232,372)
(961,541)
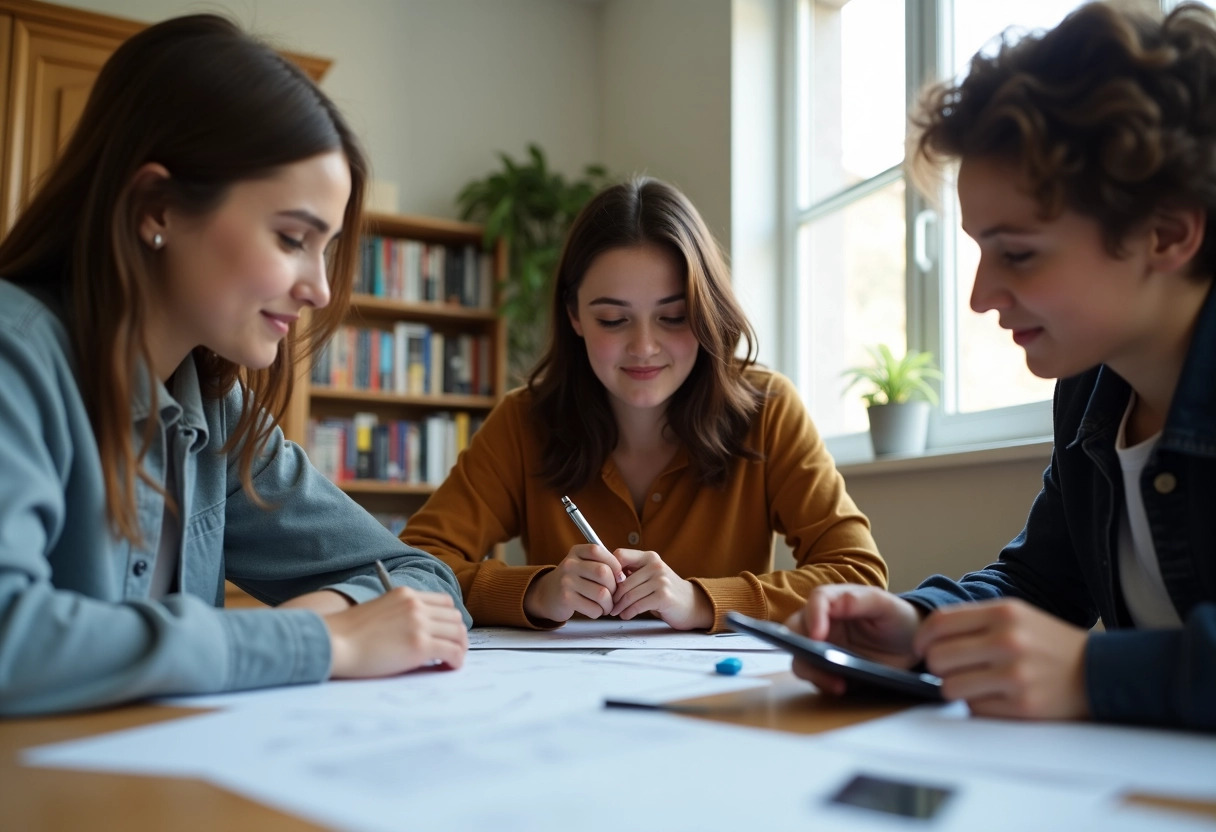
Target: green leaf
(538,157)
(530,207)
(895,380)
(497,219)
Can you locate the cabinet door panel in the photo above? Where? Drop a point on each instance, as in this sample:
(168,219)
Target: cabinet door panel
(53,70)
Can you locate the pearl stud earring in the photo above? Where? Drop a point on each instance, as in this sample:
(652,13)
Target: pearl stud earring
(158,242)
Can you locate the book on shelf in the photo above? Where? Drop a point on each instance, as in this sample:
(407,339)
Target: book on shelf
(419,272)
(411,359)
(401,450)
(364,423)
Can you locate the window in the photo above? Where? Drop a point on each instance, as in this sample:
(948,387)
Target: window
(873,263)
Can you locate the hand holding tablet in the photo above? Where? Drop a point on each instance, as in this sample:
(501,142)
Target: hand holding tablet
(859,672)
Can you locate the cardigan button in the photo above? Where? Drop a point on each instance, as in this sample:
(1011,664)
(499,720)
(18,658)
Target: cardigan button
(140,567)
(1165,483)
(633,538)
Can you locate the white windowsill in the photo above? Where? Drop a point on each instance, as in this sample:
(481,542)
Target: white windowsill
(950,457)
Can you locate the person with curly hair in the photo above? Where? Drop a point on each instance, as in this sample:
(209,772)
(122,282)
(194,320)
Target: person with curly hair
(1087,175)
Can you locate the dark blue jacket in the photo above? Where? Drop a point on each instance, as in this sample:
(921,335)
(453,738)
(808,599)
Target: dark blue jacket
(1065,560)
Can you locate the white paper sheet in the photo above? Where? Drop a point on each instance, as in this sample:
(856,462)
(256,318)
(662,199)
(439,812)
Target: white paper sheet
(593,770)
(546,674)
(1156,761)
(704,661)
(493,689)
(606,772)
(518,740)
(611,634)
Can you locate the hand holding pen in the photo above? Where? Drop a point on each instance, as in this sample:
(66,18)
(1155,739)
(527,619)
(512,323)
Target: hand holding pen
(401,630)
(648,585)
(584,582)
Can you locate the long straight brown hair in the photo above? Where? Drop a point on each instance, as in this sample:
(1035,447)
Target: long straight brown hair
(214,106)
(711,412)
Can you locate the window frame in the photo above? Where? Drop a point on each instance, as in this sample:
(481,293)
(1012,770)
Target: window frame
(929,295)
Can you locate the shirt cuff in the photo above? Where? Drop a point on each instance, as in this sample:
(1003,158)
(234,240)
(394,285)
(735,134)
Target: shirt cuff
(727,594)
(496,598)
(275,647)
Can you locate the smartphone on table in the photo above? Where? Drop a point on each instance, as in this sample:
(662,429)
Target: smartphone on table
(861,673)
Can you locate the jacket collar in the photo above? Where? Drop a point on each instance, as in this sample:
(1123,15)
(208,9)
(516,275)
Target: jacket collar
(183,404)
(1190,426)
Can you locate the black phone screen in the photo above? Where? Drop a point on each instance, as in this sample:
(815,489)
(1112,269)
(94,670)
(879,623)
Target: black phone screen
(895,797)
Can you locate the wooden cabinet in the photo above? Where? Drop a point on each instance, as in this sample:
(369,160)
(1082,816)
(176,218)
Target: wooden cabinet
(339,386)
(52,71)
(49,58)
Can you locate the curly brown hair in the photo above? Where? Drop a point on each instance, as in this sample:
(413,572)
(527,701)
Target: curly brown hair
(712,410)
(1111,114)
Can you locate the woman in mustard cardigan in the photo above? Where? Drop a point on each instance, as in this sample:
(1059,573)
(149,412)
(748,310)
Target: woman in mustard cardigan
(684,458)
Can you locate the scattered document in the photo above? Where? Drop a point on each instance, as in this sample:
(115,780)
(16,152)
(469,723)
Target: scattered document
(520,740)
(608,770)
(703,661)
(1176,763)
(493,689)
(612,634)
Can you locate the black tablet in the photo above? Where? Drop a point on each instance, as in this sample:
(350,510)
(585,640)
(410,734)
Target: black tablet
(860,673)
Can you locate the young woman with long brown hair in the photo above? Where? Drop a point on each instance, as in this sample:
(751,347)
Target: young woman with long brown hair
(148,303)
(682,456)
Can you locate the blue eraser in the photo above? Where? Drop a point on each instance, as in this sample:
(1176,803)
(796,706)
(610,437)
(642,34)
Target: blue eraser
(729,667)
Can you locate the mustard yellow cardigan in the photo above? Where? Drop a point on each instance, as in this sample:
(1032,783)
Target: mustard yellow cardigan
(720,538)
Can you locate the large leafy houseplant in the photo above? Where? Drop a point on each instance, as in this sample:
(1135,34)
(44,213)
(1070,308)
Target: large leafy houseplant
(530,207)
(899,398)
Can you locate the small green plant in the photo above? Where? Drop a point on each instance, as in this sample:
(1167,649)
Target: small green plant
(895,380)
(530,207)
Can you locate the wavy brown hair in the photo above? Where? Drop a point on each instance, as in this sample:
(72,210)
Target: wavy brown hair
(712,410)
(1112,114)
(215,107)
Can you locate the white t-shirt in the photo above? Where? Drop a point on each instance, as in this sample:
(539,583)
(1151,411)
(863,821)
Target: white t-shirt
(1139,573)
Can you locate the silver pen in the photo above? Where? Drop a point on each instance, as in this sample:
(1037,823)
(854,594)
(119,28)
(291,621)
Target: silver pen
(581,522)
(384,579)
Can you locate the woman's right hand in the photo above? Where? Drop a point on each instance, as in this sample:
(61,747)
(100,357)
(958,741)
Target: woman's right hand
(399,631)
(583,582)
(865,620)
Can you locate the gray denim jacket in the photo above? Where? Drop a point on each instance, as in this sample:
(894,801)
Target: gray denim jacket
(77,627)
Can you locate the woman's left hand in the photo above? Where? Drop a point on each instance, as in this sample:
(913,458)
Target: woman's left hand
(1007,658)
(652,586)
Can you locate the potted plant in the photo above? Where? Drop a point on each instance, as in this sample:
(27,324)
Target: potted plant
(530,207)
(898,405)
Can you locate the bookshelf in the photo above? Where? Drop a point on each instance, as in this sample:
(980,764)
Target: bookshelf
(422,343)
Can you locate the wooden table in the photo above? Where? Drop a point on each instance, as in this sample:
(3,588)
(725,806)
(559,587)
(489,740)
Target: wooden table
(41,800)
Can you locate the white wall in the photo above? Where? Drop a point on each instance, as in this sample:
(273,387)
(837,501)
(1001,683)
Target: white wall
(436,87)
(666,106)
(948,520)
